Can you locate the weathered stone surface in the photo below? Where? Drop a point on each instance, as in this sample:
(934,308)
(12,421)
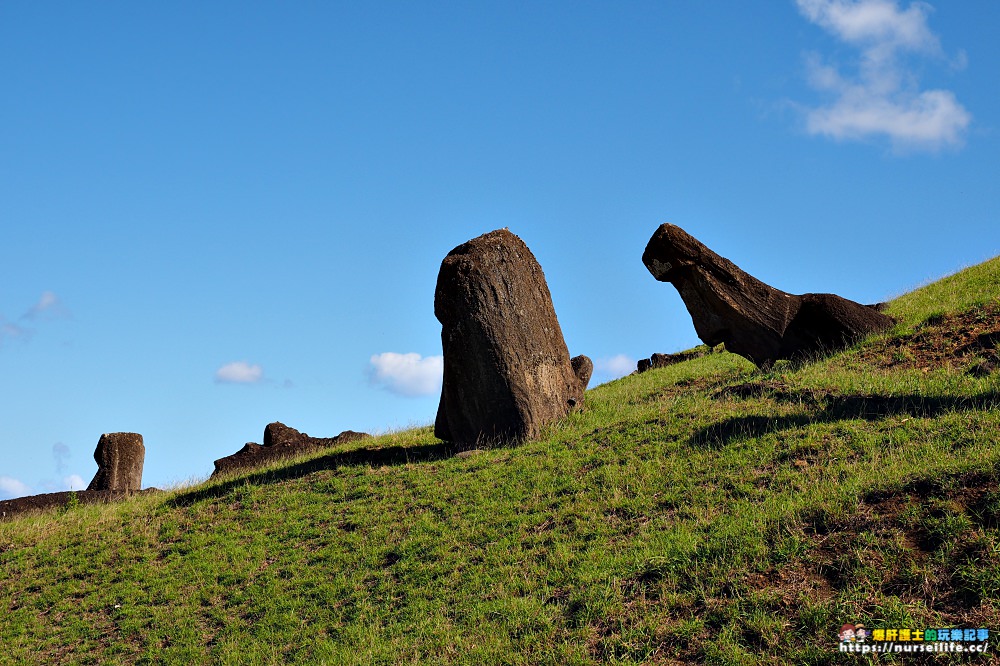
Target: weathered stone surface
(751,318)
(278,434)
(583,368)
(663,360)
(280,441)
(507,371)
(119,457)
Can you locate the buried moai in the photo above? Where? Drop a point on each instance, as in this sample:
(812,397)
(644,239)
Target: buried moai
(119,456)
(753,319)
(280,442)
(507,371)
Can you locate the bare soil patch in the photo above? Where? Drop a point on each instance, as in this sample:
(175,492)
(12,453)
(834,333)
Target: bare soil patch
(966,339)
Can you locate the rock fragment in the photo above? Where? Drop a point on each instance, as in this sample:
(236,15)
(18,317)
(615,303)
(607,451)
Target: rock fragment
(663,360)
(583,368)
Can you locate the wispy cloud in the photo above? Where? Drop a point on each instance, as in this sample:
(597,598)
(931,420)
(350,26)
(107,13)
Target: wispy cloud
(614,367)
(48,306)
(407,374)
(883,97)
(239,372)
(11,488)
(11,331)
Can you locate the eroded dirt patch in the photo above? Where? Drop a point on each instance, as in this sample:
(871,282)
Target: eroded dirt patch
(966,340)
(930,542)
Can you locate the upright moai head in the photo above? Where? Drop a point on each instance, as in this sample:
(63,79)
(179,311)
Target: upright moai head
(507,370)
(119,457)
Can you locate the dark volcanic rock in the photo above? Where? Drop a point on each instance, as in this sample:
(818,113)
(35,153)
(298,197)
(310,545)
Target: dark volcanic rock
(583,368)
(753,319)
(119,457)
(14,507)
(507,371)
(280,441)
(663,360)
(278,434)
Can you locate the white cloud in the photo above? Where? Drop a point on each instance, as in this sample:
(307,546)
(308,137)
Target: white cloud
(74,482)
(239,372)
(11,488)
(615,366)
(879,22)
(407,374)
(883,98)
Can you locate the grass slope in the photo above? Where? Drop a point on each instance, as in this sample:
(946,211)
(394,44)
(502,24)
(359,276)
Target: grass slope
(703,513)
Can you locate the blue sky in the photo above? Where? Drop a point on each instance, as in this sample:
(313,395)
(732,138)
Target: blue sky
(218,215)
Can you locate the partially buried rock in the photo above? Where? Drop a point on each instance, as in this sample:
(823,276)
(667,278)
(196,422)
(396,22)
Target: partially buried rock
(753,319)
(119,457)
(583,368)
(507,371)
(664,360)
(64,499)
(280,441)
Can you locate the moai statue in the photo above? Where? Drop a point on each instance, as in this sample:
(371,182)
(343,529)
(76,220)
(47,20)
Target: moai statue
(119,457)
(507,371)
(753,319)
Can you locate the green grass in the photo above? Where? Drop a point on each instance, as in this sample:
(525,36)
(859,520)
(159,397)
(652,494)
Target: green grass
(674,520)
(971,287)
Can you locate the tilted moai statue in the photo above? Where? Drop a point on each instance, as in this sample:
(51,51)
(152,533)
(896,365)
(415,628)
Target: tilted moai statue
(753,319)
(507,371)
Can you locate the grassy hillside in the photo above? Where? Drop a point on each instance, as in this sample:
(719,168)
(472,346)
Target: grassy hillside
(703,513)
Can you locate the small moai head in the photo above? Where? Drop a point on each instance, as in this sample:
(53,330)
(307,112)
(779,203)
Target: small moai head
(119,456)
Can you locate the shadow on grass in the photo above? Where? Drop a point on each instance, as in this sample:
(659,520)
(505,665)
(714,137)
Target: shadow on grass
(829,408)
(392,455)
